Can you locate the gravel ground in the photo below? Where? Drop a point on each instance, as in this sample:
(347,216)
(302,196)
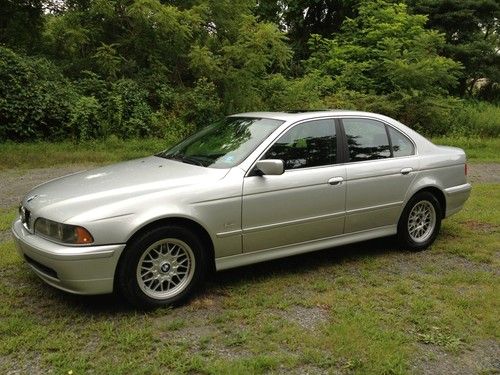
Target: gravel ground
(15,184)
(484,172)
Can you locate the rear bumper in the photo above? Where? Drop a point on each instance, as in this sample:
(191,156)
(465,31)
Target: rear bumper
(75,269)
(456,196)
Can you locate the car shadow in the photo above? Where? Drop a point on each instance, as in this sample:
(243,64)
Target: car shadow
(112,304)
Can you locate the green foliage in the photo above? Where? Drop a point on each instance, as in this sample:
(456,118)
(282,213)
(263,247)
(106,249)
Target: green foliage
(128,113)
(307,92)
(477,119)
(141,68)
(384,50)
(85,118)
(21,23)
(472,36)
(35,99)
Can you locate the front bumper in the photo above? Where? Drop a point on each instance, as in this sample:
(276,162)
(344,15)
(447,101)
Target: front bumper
(75,269)
(456,197)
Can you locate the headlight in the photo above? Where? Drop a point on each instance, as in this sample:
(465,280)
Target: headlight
(65,233)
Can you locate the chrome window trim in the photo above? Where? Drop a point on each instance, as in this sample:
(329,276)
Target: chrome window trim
(330,117)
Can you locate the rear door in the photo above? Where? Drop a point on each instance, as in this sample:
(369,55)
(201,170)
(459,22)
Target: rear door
(380,167)
(306,202)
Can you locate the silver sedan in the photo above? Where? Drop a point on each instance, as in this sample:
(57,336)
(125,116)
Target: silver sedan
(253,187)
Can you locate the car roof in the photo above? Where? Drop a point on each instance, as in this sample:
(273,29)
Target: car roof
(303,115)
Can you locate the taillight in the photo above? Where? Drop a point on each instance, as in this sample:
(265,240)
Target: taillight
(465,169)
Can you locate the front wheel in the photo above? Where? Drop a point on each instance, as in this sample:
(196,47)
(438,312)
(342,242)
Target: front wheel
(420,222)
(162,267)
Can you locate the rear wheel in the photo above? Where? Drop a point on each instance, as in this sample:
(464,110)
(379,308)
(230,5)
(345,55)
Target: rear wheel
(162,267)
(420,222)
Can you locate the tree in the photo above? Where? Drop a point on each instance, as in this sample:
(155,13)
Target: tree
(21,23)
(302,18)
(472,34)
(384,50)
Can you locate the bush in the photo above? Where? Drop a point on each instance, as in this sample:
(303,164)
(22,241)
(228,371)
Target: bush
(478,119)
(430,115)
(364,102)
(201,104)
(85,118)
(280,93)
(35,99)
(128,114)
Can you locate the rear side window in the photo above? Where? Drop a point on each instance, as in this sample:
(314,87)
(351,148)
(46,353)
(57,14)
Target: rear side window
(366,139)
(310,144)
(401,145)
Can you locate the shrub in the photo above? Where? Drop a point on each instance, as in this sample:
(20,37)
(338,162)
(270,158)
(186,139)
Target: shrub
(85,119)
(35,99)
(476,118)
(127,112)
(363,102)
(280,93)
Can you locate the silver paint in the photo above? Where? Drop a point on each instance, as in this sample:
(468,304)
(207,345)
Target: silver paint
(248,218)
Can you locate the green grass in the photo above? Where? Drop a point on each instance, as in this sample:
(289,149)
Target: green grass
(7,216)
(368,308)
(35,155)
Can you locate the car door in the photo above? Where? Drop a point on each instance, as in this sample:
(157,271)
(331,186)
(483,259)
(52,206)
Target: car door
(380,166)
(306,202)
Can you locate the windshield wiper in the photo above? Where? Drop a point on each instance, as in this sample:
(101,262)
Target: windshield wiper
(183,158)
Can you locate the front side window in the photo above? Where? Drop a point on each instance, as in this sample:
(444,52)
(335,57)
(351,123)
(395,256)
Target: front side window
(310,144)
(223,144)
(366,139)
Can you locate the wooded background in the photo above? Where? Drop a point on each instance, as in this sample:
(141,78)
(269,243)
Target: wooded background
(83,69)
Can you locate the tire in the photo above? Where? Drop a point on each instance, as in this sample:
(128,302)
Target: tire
(162,267)
(420,222)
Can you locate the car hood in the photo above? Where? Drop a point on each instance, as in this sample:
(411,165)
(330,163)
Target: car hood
(118,182)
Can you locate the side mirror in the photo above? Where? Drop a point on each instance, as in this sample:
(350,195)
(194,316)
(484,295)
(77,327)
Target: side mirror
(271,167)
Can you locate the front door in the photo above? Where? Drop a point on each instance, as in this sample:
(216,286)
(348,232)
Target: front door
(306,202)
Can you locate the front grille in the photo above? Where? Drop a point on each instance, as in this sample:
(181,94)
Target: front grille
(25,216)
(42,268)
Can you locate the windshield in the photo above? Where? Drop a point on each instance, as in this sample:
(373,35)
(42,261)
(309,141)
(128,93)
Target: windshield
(223,144)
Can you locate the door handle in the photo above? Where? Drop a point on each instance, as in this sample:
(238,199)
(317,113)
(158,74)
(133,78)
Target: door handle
(406,170)
(335,180)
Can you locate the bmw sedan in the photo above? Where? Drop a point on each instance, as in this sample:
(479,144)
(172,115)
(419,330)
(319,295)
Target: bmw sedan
(250,188)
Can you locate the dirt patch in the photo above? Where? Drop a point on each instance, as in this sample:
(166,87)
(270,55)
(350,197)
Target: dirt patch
(481,358)
(483,172)
(15,184)
(308,318)
(31,364)
(479,226)
(407,264)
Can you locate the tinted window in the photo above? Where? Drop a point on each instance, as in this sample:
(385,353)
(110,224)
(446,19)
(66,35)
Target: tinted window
(401,145)
(366,139)
(310,144)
